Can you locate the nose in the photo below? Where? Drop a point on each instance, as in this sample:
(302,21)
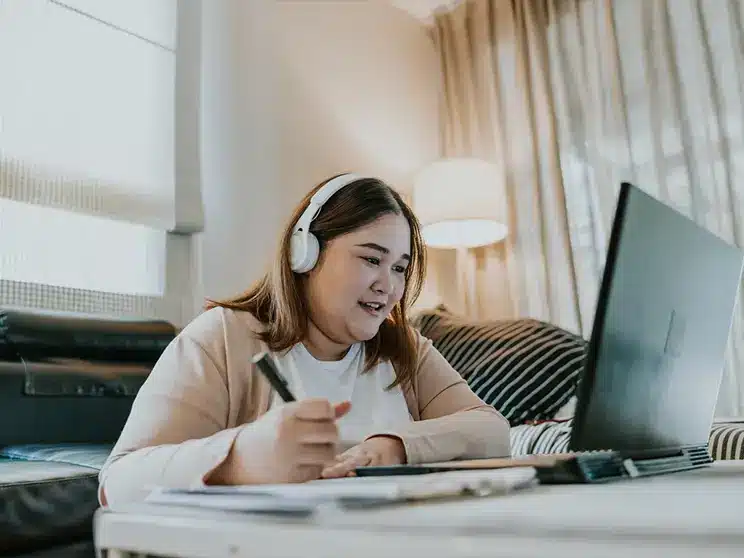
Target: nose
(383,284)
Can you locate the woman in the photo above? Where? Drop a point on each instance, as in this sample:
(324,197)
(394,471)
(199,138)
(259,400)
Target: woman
(332,316)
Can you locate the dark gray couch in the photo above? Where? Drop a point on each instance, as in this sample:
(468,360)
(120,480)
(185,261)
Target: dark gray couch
(67,382)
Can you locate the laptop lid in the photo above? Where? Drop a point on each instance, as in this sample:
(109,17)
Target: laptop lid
(661,326)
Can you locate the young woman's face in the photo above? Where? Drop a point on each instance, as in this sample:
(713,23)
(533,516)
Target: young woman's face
(359,279)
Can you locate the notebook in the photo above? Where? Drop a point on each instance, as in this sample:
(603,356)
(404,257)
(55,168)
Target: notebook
(559,468)
(349,492)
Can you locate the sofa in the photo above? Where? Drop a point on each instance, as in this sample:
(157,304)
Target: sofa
(67,383)
(529,370)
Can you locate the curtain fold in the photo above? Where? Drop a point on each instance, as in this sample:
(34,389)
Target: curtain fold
(571,97)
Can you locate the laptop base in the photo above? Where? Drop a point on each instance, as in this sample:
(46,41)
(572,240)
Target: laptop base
(687,458)
(605,466)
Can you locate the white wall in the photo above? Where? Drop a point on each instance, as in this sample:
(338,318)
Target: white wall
(295,91)
(360,85)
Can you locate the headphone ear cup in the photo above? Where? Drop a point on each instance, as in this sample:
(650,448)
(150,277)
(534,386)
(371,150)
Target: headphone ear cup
(312,252)
(304,252)
(296,251)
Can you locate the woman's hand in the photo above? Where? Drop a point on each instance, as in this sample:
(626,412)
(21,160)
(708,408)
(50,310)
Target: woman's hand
(378,450)
(291,443)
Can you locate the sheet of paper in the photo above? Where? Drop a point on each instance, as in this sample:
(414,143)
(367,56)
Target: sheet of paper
(229,502)
(349,491)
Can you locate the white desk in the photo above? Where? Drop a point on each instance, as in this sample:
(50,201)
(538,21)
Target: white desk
(695,513)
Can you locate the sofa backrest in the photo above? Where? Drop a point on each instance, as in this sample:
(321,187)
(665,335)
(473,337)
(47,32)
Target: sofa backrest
(72,378)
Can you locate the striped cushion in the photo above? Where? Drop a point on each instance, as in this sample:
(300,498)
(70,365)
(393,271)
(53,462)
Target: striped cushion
(527,369)
(548,437)
(726,440)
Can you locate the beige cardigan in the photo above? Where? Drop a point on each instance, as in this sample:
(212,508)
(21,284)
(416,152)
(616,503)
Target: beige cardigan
(204,389)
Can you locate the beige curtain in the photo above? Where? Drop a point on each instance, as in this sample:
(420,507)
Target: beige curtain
(571,97)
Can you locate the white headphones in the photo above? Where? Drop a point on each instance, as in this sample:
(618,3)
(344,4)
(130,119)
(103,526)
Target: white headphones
(304,247)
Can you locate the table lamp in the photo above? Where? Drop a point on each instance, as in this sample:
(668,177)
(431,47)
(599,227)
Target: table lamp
(460,204)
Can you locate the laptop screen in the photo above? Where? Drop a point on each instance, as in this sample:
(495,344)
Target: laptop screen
(660,332)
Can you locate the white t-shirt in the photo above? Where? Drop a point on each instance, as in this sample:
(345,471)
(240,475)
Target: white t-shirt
(373,408)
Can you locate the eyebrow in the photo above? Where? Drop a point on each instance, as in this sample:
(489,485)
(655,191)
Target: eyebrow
(382,249)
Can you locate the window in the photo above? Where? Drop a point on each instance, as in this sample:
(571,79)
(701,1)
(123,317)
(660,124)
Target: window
(89,111)
(65,249)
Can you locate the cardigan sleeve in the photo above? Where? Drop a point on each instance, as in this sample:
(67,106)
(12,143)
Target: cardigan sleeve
(176,432)
(454,422)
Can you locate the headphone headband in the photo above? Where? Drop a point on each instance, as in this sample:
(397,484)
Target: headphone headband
(333,186)
(320,197)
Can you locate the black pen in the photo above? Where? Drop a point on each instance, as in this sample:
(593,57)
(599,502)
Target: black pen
(272,375)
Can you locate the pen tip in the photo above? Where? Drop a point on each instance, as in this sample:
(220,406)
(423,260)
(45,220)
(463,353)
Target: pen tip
(258,356)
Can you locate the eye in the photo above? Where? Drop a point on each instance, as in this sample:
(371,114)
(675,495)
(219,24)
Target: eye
(399,269)
(372,260)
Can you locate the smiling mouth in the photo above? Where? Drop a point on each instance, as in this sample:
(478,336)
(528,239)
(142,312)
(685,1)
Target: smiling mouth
(373,308)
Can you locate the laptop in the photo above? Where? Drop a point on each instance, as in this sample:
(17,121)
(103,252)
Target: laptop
(648,392)
(656,354)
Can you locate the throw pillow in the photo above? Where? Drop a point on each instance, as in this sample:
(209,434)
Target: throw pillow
(527,369)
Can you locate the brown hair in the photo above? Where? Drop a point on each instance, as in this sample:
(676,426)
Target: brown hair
(277,299)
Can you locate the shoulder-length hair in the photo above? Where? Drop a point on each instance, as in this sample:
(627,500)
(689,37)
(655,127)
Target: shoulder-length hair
(278,301)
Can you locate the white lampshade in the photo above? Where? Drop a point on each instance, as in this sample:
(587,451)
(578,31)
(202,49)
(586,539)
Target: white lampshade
(460,203)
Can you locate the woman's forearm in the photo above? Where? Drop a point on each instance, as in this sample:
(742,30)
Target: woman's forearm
(476,433)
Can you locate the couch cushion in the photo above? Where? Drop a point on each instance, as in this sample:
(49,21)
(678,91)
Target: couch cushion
(726,439)
(48,495)
(526,368)
(84,455)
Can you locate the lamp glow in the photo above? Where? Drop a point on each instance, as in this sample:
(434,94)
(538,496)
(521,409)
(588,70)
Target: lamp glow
(460,204)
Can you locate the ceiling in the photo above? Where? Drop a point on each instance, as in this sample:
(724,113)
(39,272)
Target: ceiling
(422,9)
